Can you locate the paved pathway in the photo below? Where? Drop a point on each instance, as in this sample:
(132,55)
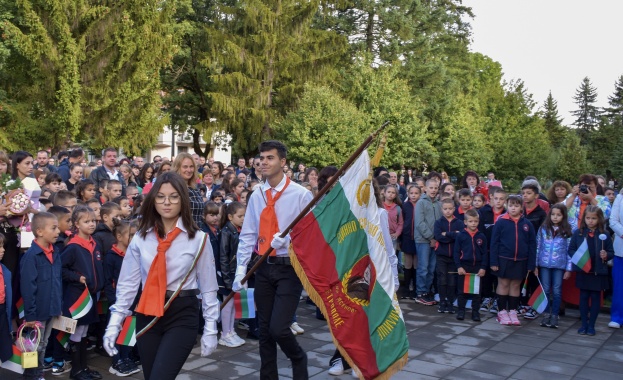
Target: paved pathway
(440,348)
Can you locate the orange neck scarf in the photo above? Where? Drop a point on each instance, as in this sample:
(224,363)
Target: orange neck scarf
(152,299)
(269,225)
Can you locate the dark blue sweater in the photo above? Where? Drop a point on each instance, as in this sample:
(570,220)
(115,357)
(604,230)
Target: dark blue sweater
(513,240)
(445,244)
(41,284)
(471,249)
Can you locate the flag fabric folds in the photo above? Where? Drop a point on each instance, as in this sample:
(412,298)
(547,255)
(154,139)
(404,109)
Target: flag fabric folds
(244,304)
(471,284)
(20,308)
(582,257)
(82,305)
(339,254)
(14,363)
(127,336)
(63,338)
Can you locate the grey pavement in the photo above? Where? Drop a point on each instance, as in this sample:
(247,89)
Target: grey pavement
(440,348)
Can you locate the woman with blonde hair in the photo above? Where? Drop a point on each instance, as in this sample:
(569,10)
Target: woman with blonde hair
(185,166)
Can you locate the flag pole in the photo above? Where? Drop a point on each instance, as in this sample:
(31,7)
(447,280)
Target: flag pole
(311,204)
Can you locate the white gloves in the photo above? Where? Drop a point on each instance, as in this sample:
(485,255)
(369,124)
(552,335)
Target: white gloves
(208,342)
(112,332)
(241,271)
(396,283)
(278,242)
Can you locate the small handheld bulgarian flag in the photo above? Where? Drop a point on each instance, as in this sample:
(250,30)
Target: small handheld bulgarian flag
(15,362)
(244,304)
(63,338)
(127,336)
(582,257)
(471,284)
(538,300)
(83,304)
(20,308)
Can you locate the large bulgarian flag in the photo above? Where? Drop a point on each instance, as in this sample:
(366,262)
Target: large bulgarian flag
(338,252)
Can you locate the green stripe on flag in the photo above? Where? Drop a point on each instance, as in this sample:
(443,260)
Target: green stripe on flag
(82,305)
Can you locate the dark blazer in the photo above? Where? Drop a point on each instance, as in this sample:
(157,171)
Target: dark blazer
(104,237)
(41,284)
(444,246)
(471,249)
(98,174)
(513,241)
(598,266)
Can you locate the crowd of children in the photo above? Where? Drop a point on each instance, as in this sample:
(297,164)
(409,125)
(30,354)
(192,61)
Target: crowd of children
(442,234)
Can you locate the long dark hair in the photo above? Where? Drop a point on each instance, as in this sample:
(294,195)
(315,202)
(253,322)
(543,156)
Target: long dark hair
(564,229)
(324,175)
(16,158)
(81,186)
(227,209)
(141,175)
(150,217)
(600,216)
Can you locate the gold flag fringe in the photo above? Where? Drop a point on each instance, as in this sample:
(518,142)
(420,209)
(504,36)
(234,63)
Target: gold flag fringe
(313,294)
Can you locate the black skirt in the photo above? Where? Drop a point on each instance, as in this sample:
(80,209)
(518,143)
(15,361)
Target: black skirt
(408,246)
(514,270)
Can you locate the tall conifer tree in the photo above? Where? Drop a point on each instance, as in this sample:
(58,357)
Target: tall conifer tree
(587,114)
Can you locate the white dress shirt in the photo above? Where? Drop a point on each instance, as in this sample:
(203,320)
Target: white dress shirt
(140,255)
(291,202)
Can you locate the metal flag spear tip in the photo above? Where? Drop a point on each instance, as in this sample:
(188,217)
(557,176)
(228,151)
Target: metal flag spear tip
(311,204)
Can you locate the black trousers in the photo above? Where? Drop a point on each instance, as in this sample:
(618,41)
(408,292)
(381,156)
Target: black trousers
(165,347)
(446,280)
(6,349)
(277,292)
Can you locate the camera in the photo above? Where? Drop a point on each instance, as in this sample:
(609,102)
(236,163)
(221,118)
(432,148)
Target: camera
(584,189)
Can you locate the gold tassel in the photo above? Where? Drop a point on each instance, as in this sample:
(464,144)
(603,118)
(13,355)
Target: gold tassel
(376,160)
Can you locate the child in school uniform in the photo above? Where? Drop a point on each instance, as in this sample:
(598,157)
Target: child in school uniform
(41,283)
(407,243)
(446,230)
(123,231)
(232,216)
(82,268)
(6,350)
(595,281)
(103,232)
(465,203)
(470,256)
(512,255)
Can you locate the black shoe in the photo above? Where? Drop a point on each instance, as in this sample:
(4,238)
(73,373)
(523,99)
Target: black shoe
(475,315)
(450,308)
(442,307)
(546,322)
(102,352)
(253,336)
(82,375)
(94,374)
(460,315)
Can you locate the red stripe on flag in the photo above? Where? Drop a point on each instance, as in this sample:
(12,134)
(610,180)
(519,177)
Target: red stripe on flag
(238,305)
(79,302)
(318,260)
(124,330)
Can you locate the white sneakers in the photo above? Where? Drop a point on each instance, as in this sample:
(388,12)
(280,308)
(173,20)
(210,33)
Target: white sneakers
(296,329)
(614,325)
(337,368)
(231,340)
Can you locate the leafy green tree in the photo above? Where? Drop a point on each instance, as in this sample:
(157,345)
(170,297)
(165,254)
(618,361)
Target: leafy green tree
(324,130)
(587,114)
(570,159)
(84,69)
(552,121)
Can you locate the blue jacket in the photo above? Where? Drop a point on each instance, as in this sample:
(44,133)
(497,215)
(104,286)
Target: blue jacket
(112,267)
(551,251)
(8,291)
(408,213)
(471,249)
(513,241)
(63,170)
(444,246)
(598,266)
(41,284)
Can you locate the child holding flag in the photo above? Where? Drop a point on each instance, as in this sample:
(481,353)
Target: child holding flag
(446,230)
(553,263)
(232,216)
(83,278)
(590,249)
(123,231)
(41,283)
(471,259)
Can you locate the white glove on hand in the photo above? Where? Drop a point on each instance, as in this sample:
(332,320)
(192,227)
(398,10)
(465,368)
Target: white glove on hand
(208,343)
(279,242)
(112,332)
(237,285)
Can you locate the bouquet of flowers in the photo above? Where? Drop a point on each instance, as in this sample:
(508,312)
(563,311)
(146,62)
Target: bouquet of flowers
(12,192)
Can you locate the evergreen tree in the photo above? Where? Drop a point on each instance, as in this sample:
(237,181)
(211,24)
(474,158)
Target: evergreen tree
(587,114)
(615,101)
(83,70)
(552,121)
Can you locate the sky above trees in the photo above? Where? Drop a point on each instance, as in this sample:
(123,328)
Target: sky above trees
(552,45)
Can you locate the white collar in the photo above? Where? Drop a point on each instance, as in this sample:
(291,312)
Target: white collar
(279,187)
